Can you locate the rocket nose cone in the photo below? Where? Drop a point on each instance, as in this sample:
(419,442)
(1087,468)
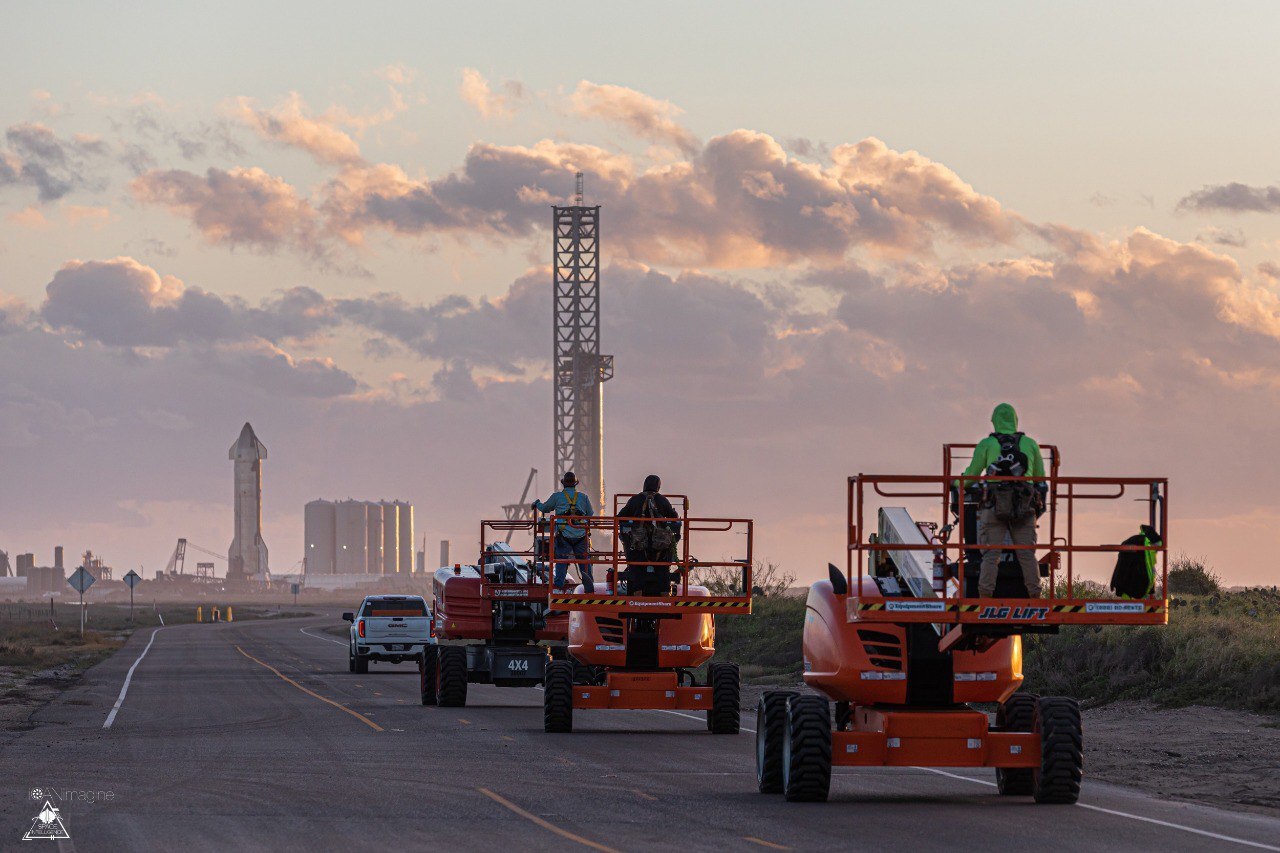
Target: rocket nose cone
(247,446)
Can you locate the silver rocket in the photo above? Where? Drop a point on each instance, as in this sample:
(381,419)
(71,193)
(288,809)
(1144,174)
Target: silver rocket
(247,558)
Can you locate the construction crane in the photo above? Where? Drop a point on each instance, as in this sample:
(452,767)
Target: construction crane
(579,369)
(177,560)
(518,511)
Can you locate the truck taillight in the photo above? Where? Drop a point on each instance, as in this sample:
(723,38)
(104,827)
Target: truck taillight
(360,627)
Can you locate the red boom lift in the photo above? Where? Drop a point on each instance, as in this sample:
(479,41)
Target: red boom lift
(491,620)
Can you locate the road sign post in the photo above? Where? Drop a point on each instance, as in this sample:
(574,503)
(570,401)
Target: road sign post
(80,581)
(294,587)
(132,580)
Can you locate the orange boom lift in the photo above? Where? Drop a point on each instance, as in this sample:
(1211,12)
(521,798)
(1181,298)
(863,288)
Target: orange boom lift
(901,643)
(633,651)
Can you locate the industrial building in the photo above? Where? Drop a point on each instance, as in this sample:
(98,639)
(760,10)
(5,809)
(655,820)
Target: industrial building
(353,537)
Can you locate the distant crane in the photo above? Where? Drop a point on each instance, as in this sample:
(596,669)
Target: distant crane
(518,511)
(177,560)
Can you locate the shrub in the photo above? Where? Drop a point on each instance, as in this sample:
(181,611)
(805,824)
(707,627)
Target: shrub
(766,643)
(1190,576)
(767,579)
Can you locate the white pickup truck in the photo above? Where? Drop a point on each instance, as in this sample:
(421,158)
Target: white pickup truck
(390,628)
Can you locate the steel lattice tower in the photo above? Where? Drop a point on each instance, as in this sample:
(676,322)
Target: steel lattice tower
(580,369)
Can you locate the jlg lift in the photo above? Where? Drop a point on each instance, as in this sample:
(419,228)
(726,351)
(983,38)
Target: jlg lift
(904,645)
(634,651)
(491,620)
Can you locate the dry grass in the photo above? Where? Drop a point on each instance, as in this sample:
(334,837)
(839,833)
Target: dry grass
(1219,650)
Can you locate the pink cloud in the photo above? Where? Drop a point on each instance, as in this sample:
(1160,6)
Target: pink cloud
(476,92)
(644,116)
(240,207)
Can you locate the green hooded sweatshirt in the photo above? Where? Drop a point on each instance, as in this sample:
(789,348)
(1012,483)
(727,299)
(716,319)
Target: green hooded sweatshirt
(1005,421)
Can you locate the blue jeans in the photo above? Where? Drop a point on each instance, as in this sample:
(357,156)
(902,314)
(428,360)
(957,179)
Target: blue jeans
(567,549)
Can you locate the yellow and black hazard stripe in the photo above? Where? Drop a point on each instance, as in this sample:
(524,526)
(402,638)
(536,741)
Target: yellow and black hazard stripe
(561,599)
(618,602)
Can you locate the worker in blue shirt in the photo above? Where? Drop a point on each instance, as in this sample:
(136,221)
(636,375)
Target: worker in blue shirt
(572,540)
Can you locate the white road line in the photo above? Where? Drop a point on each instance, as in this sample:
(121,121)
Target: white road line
(161,615)
(124,688)
(1165,823)
(692,717)
(318,637)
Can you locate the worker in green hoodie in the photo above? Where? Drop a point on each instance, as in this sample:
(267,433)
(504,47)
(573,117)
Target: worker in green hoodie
(1009,510)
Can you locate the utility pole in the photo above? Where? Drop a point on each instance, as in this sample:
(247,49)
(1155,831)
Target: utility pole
(579,369)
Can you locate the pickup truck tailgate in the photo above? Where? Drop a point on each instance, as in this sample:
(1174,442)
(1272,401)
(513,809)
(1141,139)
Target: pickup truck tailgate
(397,629)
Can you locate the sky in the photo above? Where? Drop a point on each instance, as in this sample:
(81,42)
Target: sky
(834,235)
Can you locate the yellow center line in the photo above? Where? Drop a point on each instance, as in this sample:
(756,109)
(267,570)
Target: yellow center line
(764,843)
(464,722)
(550,827)
(361,717)
(642,795)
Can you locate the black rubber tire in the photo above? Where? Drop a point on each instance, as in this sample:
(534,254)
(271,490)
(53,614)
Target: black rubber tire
(1058,723)
(361,665)
(806,750)
(771,728)
(844,716)
(725,717)
(451,683)
(557,697)
(427,675)
(351,661)
(1016,714)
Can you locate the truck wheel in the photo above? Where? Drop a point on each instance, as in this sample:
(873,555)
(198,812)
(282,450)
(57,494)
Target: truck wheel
(451,680)
(361,664)
(1057,720)
(771,728)
(1016,714)
(557,697)
(806,750)
(351,661)
(724,717)
(428,663)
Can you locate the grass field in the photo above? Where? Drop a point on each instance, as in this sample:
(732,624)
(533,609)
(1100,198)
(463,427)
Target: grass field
(1221,649)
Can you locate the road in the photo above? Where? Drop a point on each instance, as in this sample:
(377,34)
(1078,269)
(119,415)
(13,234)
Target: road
(253,735)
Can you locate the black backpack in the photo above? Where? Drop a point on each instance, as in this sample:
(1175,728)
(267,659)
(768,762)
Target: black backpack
(1012,462)
(1011,502)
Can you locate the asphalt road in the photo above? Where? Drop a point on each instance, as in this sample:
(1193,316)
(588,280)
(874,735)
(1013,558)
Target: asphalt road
(253,735)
